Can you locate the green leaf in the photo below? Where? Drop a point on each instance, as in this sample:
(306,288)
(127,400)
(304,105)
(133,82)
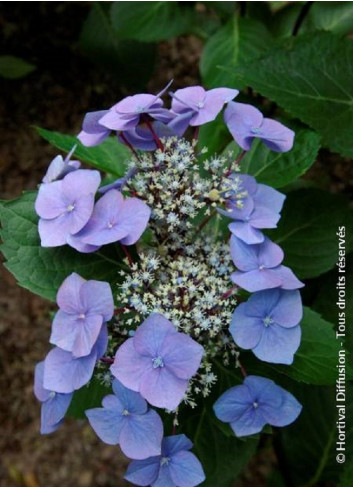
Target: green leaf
(336,17)
(13,67)
(283,21)
(307,449)
(88,397)
(149,21)
(316,359)
(240,40)
(223,456)
(130,62)
(214,136)
(110,156)
(42,270)
(311,78)
(280,169)
(307,230)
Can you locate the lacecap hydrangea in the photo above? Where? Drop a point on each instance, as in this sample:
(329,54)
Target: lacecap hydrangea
(186,299)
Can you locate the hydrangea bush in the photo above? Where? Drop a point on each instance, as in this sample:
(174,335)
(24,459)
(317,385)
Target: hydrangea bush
(168,276)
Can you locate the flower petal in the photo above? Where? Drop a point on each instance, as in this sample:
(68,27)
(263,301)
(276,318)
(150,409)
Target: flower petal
(141,435)
(246,232)
(97,298)
(55,408)
(288,280)
(143,472)
(277,344)
(63,373)
(107,424)
(186,470)
(244,256)
(50,202)
(162,389)
(277,136)
(130,400)
(288,311)
(233,403)
(149,337)
(246,330)
(256,280)
(181,355)
(129,366)
(173,444)
(68,297)
(133,217)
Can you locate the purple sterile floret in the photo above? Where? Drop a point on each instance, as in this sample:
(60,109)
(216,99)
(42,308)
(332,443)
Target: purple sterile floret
(59,167)
(93,132)
(114,219)
(158,362)
(255,403)
(126,420)
(246,123)
(54,405)
(259,266)
(65,373)
(65,206)
(144,137)
(175,467)
(129,112)
(195,106)
(252,206)
(84,307)
(268,324)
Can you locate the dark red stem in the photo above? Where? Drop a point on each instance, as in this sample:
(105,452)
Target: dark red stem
(127,254)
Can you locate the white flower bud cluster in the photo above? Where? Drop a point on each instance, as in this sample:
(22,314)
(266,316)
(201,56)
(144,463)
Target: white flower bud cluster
(184,273)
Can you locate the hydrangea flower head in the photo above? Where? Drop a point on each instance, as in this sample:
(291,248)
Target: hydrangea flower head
(255,403)
(259,266)
(246,123)
(158,362)
(126,420)
(59,167)
(54,405)
(268,324)
(65,373)
(176,467)
(65,206)
(115,219)
(84,307)
(195,106)
(93,132)
(252,206)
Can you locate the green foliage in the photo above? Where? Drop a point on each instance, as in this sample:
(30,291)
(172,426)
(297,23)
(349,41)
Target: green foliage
(131,62)
(42,270)
(222,454)
(336,17)
(307,449)
(239,41)
(307,230)
(310,77)
(150,21)
(110,156)
(213,136)
(279,169)
(12,67)
(88,397)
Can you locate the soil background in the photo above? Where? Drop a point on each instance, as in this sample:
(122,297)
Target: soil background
(56,96)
